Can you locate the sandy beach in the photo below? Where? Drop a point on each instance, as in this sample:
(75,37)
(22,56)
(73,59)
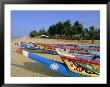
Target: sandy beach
(25,67)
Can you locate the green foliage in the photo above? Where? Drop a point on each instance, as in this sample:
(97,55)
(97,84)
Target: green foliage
(92,33)
(78,29)
(33,33)
(52,30)
(66,30)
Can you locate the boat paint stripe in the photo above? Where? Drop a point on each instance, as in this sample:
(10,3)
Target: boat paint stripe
(80,60)
(91,75)
(65,55)
(25,53)
(79,47)
(51,65)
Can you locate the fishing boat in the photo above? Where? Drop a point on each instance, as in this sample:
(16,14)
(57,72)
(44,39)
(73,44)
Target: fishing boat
(85,66)
(50,48)
(50,64)
(75,65)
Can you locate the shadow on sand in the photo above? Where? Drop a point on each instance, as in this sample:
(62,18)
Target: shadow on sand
(39,68)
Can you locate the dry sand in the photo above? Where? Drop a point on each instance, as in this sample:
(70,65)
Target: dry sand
(24,67)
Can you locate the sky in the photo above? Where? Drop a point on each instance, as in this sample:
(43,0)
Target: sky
(22,22)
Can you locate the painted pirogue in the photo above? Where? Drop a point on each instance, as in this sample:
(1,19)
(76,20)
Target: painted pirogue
(50,48)
(81,63)
(89,66)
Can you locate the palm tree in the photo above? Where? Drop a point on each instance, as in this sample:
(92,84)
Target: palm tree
(73,32)
(52,31)
(78,29)
(86,33)
(92,33)
(67,28)
(58,28)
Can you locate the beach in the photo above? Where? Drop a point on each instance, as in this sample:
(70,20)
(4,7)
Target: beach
(25,67)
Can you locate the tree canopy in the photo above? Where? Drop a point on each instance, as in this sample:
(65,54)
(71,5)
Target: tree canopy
(66,30)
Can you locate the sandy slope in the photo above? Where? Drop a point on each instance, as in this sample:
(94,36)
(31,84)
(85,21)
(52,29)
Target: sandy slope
(23,67)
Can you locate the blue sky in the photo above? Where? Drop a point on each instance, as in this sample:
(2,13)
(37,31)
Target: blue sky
(22,22)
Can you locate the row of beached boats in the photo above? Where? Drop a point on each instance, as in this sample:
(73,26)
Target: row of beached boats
(79,60)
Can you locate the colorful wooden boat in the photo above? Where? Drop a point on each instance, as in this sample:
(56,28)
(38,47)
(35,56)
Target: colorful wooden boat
(80,65)
(50,64)
(74,68)
(50,48)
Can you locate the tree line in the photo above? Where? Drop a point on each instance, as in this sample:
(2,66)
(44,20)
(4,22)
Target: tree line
(66,30)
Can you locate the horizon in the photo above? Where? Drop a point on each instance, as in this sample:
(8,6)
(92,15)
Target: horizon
(23,22)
